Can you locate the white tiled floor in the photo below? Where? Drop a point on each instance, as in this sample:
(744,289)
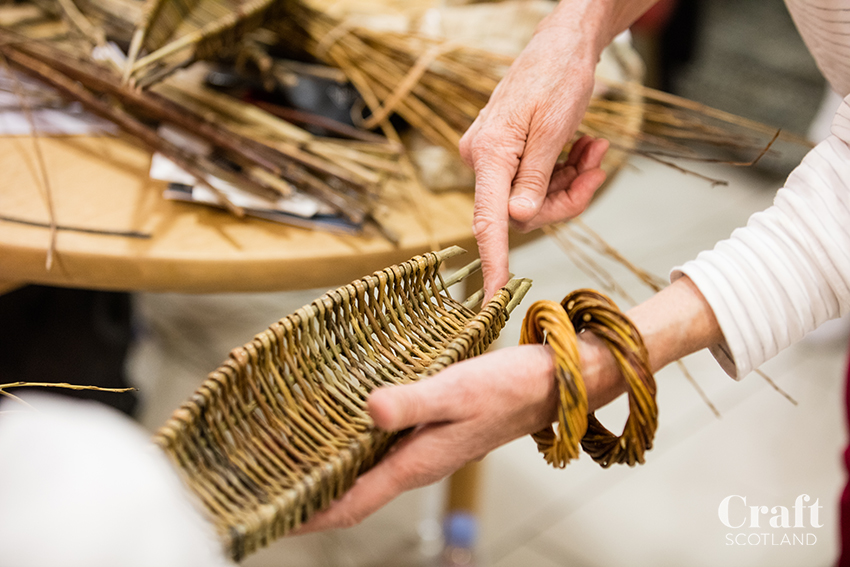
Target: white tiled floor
(661,514)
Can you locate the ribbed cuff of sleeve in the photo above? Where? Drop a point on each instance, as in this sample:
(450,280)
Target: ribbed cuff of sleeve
(708,284)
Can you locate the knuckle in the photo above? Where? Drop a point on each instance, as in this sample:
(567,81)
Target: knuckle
(550,122)
(532,177)
(484,224)
(501,142)
(481,147)
(486,208)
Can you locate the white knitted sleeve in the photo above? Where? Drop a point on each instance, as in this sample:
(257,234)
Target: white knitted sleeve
(788,270)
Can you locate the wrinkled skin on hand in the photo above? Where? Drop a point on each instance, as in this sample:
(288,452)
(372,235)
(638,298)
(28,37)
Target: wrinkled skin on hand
(515,142)
(473,407)
(459,415)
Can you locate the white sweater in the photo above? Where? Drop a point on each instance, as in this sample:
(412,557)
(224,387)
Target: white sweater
(788,270)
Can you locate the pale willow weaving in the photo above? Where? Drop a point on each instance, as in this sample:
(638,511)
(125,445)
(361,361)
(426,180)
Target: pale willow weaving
(281,428)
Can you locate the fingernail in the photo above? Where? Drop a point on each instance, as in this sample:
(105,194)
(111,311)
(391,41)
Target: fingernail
(522,202)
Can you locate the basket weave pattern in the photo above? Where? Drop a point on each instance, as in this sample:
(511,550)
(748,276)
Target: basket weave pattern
(281,428)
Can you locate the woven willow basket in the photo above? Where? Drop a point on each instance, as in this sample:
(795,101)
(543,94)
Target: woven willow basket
(281,428)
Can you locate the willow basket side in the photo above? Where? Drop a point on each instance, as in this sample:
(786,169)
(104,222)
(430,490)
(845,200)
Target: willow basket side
(280,430)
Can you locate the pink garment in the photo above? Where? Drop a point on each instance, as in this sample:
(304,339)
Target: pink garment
(825,27)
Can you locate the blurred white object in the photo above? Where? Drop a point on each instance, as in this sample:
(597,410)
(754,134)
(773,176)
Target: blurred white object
(821,123)
(82,485)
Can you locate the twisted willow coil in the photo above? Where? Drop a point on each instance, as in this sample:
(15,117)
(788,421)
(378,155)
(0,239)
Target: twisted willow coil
(546,320)
(588,310)
(281,429)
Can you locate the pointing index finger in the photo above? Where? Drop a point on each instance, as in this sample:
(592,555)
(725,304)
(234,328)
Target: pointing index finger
(493,178)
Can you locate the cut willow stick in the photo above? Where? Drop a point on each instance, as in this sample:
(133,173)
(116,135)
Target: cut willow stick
(721,161)
(595,240)
(704,110)
(775,386)
(344,189)
(714,182)
(162,109)
(61,385)
(587,264)
(301,117)
(463,273)
(76,92)
(690,378)
(407,165)
(65,386)
(565,239)
(97,231)
(15,398)
(361,189)
(42,163)
(274,158)
(439,88)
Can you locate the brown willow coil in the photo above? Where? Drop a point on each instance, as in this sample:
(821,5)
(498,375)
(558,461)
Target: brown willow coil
(547,321)
(281,429)
(589,310)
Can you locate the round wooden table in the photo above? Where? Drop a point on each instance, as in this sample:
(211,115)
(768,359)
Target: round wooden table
(102,183)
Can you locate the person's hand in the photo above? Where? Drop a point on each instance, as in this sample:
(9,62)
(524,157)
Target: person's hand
(515,142)
(571,186)
(461,414)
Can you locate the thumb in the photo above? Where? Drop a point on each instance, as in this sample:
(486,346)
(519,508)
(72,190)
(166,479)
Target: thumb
(531,182)
(429,401)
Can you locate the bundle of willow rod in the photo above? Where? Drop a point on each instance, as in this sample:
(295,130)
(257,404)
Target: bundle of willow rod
(177,33)
(281,429)
(439,87)
(269,166)
(589,310)
(436,85)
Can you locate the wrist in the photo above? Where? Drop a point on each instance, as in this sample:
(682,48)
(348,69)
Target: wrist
(603,379)
(596,22)
(675,322)
(586,24)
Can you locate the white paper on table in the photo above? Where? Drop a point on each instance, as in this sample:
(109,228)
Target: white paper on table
(295,204)
(163,169)
(58,120)
(54,122)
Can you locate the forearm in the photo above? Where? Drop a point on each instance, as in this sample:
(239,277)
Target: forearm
(598,21)
(675,322)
